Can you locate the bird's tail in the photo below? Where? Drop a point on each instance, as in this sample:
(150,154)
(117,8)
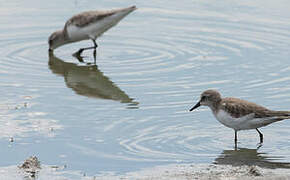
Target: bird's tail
(282,113)
(277,113)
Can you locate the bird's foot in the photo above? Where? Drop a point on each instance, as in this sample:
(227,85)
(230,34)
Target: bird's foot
(78,55)
(79,52)
(236,146)
(259,145)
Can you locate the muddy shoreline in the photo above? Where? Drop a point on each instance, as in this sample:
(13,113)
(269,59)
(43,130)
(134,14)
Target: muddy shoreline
(32,169)
(204,172)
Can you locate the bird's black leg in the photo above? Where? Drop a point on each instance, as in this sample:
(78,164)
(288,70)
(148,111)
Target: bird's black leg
(95,50)
(95,54)
(95,44)
(79,52)
(236,138)
(261,135)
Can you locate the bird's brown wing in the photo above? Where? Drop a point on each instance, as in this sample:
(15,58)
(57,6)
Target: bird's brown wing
(239,107)
(88,17)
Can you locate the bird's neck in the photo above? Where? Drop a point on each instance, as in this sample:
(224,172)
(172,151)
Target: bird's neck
(61,34)
(64,35)
(215,106)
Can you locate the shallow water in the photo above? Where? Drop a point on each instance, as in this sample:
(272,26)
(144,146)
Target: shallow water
(130,111)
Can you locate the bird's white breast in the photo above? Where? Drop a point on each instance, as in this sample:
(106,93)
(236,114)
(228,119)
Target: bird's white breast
(77,33)
(244,122)
(241,123)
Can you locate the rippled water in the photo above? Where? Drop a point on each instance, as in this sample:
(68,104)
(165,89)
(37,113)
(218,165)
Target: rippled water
(130,111)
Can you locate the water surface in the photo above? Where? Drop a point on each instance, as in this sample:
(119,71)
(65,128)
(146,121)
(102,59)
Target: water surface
(130,110)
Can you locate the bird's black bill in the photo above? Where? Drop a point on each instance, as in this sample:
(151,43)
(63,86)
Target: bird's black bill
(196,106)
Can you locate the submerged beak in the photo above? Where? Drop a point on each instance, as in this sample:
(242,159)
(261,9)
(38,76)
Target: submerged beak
(196,106)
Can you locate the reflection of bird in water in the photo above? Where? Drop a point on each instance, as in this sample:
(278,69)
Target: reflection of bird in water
(88,81)
(244,156)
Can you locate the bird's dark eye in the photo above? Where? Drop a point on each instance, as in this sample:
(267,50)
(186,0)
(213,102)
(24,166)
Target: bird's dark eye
(203,98)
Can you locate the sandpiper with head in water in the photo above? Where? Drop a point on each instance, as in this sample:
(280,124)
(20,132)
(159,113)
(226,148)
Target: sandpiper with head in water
(239,114)
(87,25)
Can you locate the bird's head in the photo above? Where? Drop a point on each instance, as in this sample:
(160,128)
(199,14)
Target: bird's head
(208,98)
(56,40)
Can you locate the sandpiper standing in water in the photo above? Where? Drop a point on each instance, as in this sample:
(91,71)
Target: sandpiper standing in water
(239,114)
(87,25)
